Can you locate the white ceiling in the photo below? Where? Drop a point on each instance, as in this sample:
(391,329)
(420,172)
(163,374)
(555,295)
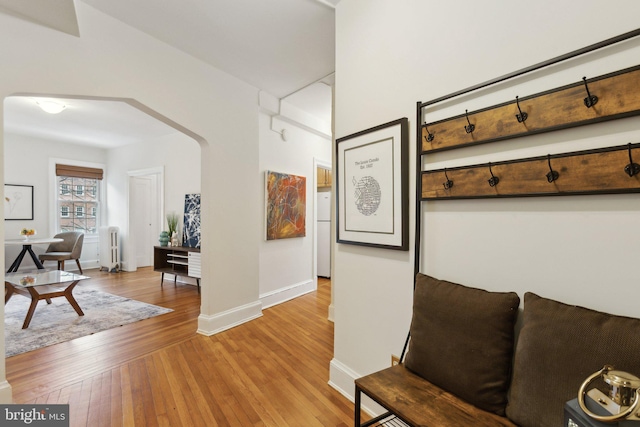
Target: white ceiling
(284,47)
(102,124)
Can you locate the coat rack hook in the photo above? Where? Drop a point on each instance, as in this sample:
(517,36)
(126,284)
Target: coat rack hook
(448,183)
(470,128)
(590,100)
(494,180)
(429,136)
(552,175)
(522,117)
(632,168)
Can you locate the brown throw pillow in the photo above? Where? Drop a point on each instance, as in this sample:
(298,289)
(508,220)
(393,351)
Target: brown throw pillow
(462,340)
(558,347)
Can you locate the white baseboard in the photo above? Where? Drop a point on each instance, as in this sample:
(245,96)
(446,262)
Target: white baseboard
(211,325)
(342,378)
(269,299)
(331,312)
(6,396)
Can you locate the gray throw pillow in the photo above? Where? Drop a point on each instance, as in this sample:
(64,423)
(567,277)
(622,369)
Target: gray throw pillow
(558,347)
(462,340)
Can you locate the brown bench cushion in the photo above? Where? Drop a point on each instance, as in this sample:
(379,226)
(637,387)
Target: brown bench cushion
(462,340)
(558,347)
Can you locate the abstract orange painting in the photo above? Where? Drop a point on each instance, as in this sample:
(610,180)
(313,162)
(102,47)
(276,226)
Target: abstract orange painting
(286,197)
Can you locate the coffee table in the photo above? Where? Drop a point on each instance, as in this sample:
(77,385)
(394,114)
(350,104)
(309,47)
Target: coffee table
(42,286)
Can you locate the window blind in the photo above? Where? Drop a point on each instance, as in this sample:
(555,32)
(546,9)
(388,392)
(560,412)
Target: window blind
(78,171)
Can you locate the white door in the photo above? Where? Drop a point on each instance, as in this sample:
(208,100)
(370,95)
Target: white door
(141,202)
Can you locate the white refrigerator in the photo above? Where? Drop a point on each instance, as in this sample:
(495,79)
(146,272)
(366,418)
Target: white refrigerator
(323,205)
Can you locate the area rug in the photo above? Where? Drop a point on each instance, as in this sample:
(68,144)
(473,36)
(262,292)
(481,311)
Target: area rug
(58,322)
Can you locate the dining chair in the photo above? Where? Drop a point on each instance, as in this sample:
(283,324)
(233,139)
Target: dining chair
(69,248)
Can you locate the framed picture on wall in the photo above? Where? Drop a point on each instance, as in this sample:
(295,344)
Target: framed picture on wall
(285,205)
(372,187)
(18,202)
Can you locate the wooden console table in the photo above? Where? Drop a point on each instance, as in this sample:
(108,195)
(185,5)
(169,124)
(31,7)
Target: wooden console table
(177,260)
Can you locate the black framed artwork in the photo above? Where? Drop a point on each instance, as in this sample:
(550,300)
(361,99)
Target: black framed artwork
(372,187)
(18,202)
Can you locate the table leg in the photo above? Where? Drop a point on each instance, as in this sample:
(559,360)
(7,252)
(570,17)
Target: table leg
(8,291)
(17,261)
(32,308)
(35,259)
(36,296)
(69,295)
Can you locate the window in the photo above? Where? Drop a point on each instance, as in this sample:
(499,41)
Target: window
(79,198)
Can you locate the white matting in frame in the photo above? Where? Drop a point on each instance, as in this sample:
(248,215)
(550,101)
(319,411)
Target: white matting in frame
(18,202)
(371,187)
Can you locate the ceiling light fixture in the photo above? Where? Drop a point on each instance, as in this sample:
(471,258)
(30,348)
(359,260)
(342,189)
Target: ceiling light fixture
(51,107)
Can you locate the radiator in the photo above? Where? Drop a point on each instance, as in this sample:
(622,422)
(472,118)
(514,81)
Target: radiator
(109,249)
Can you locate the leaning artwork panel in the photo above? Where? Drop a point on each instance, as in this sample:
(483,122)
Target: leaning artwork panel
(191,228)
(285,197)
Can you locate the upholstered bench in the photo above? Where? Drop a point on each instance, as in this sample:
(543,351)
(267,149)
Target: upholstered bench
(463,369)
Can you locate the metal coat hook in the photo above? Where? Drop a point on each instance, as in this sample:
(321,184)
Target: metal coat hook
(632,168)
(552,175)
(494,180)
(470,128)
(590,100)
(429,136)
(522,117)
(448,183)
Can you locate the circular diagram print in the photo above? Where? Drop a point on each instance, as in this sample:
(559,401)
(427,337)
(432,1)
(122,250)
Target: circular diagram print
(367,194)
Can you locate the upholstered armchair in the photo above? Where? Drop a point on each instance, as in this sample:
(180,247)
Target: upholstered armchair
(69,248)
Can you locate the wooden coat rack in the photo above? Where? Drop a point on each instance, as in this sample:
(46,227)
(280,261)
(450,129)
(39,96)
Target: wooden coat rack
(607,97)
(600,171)
(610,170)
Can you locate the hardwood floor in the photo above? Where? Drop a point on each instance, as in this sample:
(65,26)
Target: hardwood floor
(272,371)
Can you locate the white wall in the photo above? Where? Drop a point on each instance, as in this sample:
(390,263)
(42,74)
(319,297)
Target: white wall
(112,60)
(578,249)
(287,265)
(27,161)
(178,156)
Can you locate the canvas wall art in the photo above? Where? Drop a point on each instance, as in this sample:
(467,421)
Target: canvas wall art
(286,205)
(191,226)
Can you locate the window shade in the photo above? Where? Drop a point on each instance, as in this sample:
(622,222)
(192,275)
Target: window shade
(78,171)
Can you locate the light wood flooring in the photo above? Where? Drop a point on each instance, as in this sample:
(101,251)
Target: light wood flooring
(272,371)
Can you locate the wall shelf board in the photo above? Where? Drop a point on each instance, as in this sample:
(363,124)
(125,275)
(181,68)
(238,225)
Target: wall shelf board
(560,108)
(599,171)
